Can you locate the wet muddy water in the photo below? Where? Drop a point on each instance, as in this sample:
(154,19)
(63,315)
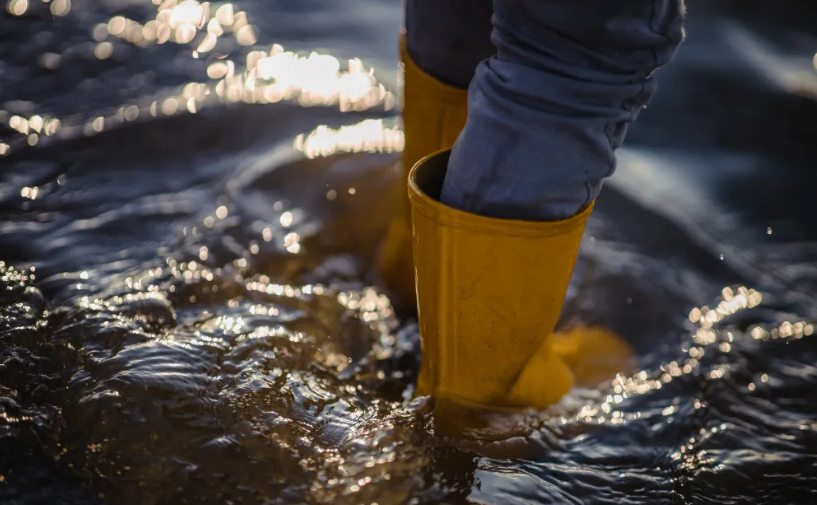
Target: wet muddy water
(191,196)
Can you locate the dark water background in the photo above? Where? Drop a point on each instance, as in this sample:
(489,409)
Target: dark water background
(185,305)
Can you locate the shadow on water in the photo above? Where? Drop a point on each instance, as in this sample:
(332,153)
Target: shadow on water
(187,312)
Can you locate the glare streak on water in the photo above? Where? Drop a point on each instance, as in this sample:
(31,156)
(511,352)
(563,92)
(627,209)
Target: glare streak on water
(267,76)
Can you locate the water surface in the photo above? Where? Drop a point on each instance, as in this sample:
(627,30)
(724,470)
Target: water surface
(188,216)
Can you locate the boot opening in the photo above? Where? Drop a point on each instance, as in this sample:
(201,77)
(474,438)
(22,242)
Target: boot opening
(430,175)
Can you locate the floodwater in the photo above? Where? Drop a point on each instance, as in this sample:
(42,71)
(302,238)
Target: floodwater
(190,199)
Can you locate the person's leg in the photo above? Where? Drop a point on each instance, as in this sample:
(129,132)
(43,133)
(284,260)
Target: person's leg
(444,42)
(447,39)
(496,250)
(547,113)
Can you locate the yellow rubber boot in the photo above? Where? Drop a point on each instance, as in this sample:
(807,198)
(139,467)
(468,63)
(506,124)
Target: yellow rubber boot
(433,116)
(594,354)
(490,292)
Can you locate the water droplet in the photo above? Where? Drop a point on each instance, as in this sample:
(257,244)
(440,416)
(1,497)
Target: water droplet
(246,36)
(103,50)
(224,14)
(286,219)
(208,43)
(17,7)
(100,32)
(60,7)
(116,25)
(131,112)
(170,106)
(98,124)
(184,33)
(291,242)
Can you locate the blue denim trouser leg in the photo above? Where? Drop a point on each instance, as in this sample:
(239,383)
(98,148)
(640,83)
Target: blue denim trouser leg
(548,111)
(448,38)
